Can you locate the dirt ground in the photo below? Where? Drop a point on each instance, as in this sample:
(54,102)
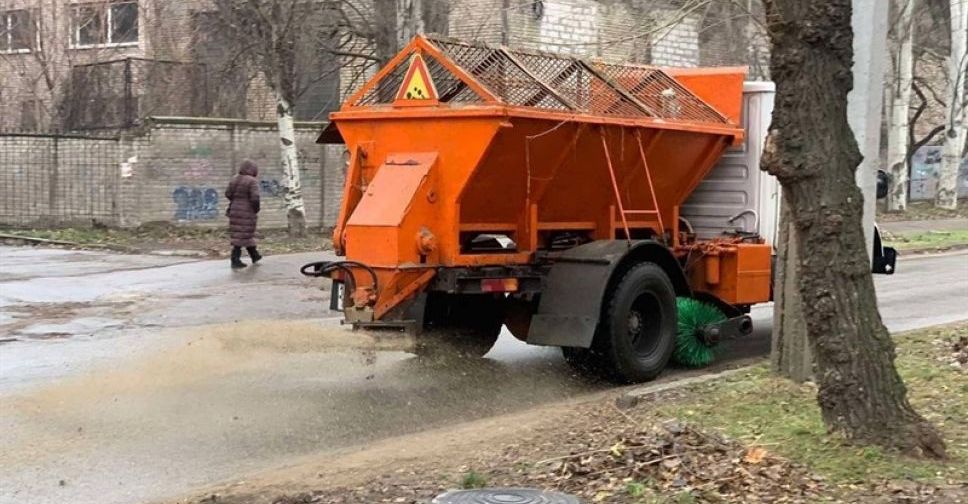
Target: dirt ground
(668,446)
(164,238)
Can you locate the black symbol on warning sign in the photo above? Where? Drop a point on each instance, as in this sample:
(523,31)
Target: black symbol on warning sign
(417,85)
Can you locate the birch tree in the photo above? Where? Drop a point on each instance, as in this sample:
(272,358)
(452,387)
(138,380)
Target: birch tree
(266,34)
(955,132)
(900,103)
(283,41)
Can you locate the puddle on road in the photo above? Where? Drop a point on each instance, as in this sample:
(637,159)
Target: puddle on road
(66,320)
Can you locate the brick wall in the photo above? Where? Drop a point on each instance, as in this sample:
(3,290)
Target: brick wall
(641,31)
(34,84)
(730,35)
(37,79)
(476,20)
(660,32)
(676,41)
(648,31)
(172,170)
(179,170)
(565,26)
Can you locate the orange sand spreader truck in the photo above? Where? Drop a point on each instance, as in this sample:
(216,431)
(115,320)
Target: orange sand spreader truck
(490,187)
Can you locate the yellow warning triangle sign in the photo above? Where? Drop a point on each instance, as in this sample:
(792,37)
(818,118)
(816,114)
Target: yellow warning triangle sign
(417,84)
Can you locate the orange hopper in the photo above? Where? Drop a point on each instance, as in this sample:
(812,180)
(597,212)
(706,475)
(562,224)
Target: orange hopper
(481,178)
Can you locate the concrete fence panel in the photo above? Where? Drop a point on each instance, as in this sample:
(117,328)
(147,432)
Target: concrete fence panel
(58,180)
(172,170)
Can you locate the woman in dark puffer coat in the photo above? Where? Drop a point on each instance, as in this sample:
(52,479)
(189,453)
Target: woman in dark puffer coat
(243,212)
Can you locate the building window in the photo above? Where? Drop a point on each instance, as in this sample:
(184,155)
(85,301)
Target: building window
(105,24)
(17,32)
(123,23)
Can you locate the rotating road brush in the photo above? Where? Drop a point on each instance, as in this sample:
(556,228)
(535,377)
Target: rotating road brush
(691,350)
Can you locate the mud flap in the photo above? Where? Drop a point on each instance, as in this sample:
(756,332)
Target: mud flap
(570,304)
(571,300)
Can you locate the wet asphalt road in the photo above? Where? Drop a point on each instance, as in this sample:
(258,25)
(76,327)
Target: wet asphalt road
(131,378)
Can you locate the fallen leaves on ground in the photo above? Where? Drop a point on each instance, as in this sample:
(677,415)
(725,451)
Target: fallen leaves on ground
(959,353)
(670,460)
(902,491)
(677,459)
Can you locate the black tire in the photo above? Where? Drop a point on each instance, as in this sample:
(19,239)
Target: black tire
(637,332)
(463,325)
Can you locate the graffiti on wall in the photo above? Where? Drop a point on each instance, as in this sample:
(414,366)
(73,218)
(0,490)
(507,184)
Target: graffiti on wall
(195,150)
(195,203)
(925,165)
(271,187)
(200,169)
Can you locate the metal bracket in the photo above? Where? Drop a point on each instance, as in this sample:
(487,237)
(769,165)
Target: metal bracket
(731,328)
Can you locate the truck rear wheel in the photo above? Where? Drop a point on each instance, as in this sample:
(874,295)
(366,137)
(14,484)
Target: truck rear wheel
(637,332)
(462,325)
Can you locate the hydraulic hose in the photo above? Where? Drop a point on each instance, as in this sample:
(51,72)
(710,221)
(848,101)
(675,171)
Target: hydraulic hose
(324,268)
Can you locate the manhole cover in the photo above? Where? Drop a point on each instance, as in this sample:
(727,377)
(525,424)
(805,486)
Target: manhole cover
(505,496)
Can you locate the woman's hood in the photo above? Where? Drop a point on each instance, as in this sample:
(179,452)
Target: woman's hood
(249,168)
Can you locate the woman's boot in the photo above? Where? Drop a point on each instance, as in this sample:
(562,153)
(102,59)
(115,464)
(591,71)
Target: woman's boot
(237,258)
(253,254)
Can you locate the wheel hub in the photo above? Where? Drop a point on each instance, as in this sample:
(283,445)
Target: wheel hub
(635,323)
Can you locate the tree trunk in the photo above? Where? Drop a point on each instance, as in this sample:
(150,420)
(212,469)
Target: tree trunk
(409,20)
(789,349)
(385,29)
(436,16)
(954,136)
(900,100)
(812,151)
(295,208)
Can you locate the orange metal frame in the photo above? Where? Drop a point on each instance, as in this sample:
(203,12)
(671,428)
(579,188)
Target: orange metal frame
(425,177)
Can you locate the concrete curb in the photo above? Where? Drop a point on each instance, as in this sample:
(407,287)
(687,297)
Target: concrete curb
(932,251)
(179,253)
(635,396)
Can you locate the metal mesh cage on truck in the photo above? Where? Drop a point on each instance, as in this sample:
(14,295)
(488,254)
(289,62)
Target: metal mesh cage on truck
(548,81)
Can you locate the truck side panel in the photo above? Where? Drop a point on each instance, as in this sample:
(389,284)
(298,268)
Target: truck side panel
(737,184)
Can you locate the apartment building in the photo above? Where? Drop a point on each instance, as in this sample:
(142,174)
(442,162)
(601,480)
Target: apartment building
(92,64)
(81,64)
(43,42)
